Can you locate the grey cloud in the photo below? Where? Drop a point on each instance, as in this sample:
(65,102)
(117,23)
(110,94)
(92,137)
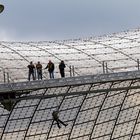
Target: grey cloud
(62,19)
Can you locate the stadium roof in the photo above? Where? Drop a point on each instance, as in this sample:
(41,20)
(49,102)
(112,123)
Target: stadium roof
(118,52)
(100,113)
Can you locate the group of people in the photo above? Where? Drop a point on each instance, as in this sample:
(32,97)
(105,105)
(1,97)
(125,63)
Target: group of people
(50,66)
(38,68)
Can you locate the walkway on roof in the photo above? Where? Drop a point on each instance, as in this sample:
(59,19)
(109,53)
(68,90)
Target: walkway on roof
(70,81)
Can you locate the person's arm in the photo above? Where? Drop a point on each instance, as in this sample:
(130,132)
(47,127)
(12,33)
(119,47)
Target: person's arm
(53,66)
(46,67)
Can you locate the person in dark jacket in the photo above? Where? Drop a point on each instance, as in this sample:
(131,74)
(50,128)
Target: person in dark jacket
(31,68)
(62,68)
(50,67)
(39,70)
(56,118)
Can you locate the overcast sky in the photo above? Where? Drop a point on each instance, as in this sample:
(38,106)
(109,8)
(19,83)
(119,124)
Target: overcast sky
(39,20)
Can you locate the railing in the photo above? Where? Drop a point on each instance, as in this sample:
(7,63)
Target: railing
(71,72)
(5,77)
(69,81)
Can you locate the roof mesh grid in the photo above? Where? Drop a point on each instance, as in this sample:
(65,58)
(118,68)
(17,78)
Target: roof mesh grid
(103,115)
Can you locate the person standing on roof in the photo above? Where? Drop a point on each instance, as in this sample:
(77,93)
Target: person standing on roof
(56,118)
(31,68)
(61,68)
(50,67)
(39,70)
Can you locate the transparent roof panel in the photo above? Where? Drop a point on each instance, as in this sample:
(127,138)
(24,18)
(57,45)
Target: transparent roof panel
(120,52)
(98,111)
(100,115)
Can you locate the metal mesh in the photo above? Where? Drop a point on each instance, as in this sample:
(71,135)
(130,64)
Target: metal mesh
(95,55)
(104,115)
(99,116)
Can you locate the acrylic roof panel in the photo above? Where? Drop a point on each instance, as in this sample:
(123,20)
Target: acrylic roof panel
(101,115)
(108,48)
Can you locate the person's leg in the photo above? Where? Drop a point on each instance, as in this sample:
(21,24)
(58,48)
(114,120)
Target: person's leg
(62,122)
(41,75)
(29,75)
(58,124)
(52,74)
(62,73)
(37,75)
(33,75)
